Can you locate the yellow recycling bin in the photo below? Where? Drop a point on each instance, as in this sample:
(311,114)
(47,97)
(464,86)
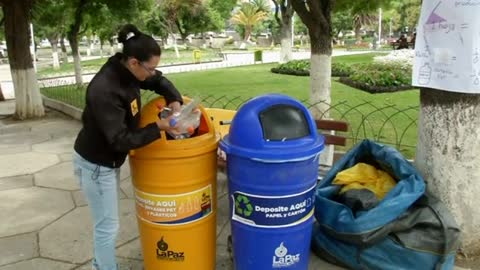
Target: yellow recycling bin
(197,55)
(175,192)
(221,119)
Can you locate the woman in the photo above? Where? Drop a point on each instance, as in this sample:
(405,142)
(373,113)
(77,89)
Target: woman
(110,130)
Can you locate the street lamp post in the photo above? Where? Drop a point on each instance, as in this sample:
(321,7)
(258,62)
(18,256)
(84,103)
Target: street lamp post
(379,26)
(33,48)
(293,29)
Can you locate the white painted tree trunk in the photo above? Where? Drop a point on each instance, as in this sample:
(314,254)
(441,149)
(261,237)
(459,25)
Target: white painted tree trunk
(320,84)
(27,94)
(56,60)
(112,50)
(286,44)
(77,64)
(2,98)
(64,50)
(17,34)
(448,156)
(176,47)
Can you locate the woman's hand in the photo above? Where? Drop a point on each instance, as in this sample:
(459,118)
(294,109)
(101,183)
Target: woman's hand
(175,106)
(164,124)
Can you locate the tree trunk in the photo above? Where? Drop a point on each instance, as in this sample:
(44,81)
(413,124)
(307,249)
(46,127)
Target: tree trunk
(17,33)
(91,45)
(321,83)
(286,41)
(358,36)
(56,61)
(2,98)
(320,73)
(316,15)
(248,32)
(175,45)
(286,10)
(112,49)
(89,50)
(73,39)
(64,49)
(77,64)
(447,156)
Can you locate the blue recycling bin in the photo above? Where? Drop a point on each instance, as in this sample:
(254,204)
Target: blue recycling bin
(272,166)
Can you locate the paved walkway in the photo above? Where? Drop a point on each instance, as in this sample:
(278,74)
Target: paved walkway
(45,223)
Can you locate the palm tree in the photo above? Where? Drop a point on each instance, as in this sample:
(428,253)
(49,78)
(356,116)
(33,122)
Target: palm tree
(262,5)
(362,19)
(249,16)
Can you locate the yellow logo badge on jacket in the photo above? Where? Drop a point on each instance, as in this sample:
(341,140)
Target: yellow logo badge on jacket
(134,107)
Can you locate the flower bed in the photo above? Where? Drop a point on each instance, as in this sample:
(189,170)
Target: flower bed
(388,73)
(380,78)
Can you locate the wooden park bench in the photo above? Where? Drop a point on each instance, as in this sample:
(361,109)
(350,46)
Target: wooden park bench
(221,120)
(395,44)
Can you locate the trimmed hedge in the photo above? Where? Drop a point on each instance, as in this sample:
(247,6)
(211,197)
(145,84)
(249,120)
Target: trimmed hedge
(373,89)
(294,67)
(302,68)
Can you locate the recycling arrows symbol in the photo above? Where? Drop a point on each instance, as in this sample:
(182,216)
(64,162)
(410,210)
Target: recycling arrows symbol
(243,206)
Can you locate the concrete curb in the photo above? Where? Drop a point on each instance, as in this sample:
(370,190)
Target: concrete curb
(65,108)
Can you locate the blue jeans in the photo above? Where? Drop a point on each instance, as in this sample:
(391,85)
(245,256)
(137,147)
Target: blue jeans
(100,187)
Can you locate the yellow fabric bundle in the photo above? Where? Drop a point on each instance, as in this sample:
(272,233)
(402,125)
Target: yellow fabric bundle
(365,176)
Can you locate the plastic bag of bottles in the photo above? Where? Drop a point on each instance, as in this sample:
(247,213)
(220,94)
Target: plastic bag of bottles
(186,121)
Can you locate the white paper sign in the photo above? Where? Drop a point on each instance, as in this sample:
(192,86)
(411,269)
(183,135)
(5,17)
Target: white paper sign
(447,48)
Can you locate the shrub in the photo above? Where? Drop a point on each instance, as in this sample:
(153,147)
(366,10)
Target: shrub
(294,67)
(379,77)
(341,70)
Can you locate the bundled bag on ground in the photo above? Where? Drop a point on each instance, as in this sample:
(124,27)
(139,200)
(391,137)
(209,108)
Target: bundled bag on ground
(389,226)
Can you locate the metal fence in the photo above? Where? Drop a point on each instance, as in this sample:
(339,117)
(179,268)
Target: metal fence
(379,121)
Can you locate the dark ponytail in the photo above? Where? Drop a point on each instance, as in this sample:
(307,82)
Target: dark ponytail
(136,44)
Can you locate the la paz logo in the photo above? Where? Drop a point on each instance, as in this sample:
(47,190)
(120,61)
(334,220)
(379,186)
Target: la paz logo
(283,259)
(163,252)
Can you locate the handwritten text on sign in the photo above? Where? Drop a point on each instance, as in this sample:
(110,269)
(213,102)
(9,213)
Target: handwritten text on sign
(447,48)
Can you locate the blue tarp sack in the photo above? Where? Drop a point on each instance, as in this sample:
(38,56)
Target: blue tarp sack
(407,229)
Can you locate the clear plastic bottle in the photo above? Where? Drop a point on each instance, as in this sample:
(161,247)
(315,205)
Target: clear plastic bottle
(186,121)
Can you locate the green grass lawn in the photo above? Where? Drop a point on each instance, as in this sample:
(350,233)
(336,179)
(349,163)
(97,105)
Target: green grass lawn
(388,117)
(356,58)
(168,58)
